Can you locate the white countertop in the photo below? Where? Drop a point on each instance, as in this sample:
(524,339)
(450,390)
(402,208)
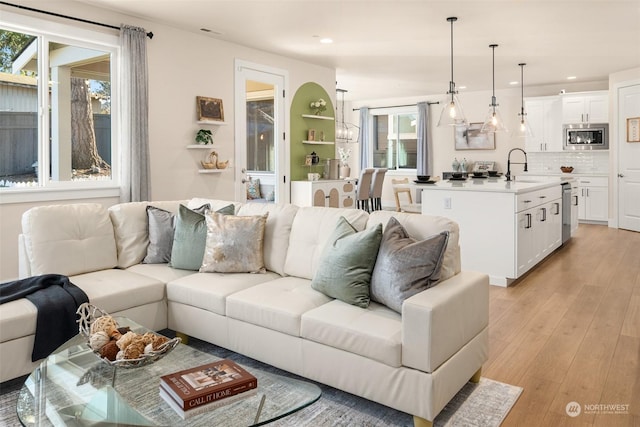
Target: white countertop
(522,184)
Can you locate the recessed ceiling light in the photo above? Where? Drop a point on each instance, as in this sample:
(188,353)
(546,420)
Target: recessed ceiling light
(462,87)
(326,40)
(571,78)
(513,83)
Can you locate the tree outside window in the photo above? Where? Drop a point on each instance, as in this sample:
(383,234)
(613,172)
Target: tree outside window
(395,142)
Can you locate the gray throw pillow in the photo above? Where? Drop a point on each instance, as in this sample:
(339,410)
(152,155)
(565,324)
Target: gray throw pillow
(405,266)
(346,263)
(190,237)
(161,226)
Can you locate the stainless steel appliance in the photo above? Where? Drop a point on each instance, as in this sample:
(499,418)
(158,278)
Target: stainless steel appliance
(586,136)
(566,211)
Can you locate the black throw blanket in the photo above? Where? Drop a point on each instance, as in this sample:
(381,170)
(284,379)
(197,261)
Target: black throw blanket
(57,300)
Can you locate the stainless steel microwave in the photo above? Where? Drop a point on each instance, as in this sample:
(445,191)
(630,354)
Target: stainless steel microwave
(586,136)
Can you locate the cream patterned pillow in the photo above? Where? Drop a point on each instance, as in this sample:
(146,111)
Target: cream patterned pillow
(234,244)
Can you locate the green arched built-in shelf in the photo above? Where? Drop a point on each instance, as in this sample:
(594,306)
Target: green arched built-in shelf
(300,125)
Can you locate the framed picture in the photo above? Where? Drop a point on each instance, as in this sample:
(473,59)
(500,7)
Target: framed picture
(470,138)
(633,129)
(311,135)
(483,166)
(210,109)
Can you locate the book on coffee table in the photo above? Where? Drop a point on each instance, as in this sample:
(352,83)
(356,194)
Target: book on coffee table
(207,383)
(207,406)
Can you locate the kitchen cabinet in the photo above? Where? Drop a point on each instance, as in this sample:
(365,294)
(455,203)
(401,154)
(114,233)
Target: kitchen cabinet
(544,115)
(593,199)
(506,228)
(585,107)
(575,207)
(327,193)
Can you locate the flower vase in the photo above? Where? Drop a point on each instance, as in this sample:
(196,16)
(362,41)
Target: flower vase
(345,171)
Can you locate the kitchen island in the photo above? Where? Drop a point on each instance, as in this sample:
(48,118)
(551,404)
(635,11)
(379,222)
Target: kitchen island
(506,227)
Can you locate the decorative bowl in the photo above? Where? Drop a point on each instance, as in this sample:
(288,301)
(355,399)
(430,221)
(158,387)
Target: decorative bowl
(478,174)
(424,177)
(566,169)
(89,314)
(456,175)
(493,173)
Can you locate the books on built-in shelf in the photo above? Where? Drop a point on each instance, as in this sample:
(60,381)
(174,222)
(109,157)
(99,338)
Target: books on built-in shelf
(207,406)
(201,385)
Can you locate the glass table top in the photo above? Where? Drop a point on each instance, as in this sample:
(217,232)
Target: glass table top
(73,387)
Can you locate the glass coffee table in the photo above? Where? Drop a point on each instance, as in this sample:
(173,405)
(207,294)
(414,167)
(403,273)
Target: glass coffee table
(73,387)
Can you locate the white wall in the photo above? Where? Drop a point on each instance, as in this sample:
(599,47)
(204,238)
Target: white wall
(182,65)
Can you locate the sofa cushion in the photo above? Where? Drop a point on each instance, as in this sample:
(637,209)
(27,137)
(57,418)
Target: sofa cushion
(346,263)
(209,291)
(116,290)
(276,233)
(161,272)
(69,239)
(234,244)
(17,320)
(130,226)
(374,332)
(310,232)
(190,237)
(161,226)
(421,227)
(405,266)
(277,304)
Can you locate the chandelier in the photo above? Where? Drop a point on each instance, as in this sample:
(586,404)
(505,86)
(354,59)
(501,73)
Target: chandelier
(345,132)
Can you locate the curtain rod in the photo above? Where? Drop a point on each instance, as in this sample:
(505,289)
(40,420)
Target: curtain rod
(397,106)
(149,34)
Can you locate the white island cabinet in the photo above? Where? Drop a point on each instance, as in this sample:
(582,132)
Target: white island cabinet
(506,228)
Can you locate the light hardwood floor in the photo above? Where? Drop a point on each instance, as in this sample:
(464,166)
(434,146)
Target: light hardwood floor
(569,331)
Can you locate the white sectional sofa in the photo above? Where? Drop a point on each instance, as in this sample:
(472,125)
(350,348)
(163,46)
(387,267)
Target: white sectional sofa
(415,361)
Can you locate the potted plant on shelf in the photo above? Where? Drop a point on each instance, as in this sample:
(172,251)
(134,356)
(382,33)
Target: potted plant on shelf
(318,106)
(204,137)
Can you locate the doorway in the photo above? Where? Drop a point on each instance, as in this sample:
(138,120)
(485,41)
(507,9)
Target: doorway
(261,148)
(628,157)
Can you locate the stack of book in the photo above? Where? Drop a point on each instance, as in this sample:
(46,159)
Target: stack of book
(203,388)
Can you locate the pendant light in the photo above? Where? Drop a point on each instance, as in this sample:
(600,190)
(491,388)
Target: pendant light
(345,132)
(523,130)
(452,113)
(493,122)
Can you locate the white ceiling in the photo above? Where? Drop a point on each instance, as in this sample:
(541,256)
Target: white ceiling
(396,48)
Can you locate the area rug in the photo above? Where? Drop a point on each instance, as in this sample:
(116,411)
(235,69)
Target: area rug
(484,404)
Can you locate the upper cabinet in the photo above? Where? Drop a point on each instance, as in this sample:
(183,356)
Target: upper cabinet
(586,107)
(544,115)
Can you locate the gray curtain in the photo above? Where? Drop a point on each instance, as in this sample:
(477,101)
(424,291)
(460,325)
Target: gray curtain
(135,183)
(363,137)
(425,147)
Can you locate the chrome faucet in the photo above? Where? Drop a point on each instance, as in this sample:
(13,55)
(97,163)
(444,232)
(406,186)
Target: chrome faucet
(508,176)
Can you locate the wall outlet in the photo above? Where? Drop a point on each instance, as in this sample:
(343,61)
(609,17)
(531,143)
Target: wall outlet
(447,202)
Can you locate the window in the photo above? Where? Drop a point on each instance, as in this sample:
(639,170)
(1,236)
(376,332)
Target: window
(395,142)
(71,78)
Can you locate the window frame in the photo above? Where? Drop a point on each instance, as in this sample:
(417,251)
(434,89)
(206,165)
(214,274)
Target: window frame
(54,32)
(388,111)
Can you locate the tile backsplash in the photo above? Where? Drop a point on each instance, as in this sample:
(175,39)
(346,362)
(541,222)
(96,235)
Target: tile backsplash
(582,162)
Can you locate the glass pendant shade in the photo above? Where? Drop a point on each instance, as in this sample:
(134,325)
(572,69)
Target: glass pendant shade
(522,130)
(452,114)
(493,121)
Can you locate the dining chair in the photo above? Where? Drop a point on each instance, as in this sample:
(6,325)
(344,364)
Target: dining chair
(376,189)
(400,186)
(363,193)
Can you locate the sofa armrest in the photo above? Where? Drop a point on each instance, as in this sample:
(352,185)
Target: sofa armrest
(24,267)
(439,321)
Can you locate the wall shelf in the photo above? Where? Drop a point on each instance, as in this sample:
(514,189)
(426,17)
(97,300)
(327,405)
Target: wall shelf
(314,116)
(211,170)
(318,142)
(200,146)
(211,122)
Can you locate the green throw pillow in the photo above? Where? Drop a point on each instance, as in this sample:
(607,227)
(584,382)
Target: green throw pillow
(405,266)
(190,238)
(346,264)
